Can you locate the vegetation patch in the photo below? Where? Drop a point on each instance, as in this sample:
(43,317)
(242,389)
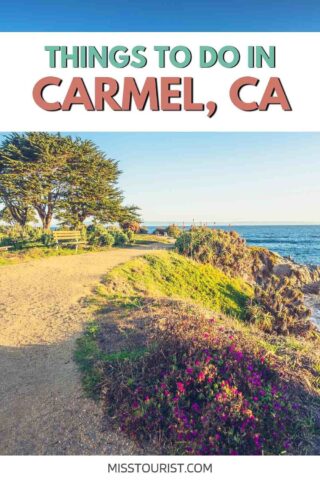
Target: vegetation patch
(277,305)
(18,256)
(184,370)
(145,239)
(167,274)
(201,388)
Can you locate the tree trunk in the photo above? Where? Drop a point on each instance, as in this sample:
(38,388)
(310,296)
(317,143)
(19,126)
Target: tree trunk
(45,216)
(47,222)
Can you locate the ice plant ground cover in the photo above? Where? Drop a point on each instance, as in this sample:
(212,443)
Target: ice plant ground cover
(184,375)
(204,393)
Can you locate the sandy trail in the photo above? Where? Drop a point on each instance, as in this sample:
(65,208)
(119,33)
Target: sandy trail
(42,406)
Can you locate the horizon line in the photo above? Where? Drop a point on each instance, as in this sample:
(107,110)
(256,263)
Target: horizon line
(236,223)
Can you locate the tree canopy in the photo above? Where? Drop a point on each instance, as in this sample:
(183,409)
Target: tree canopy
(59,176)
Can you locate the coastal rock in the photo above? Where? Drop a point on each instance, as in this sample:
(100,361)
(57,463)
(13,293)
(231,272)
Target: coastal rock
(305,278)
(313,302)
(302,275)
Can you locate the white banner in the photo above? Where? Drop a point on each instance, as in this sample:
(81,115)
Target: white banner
(159,81)
(158,467)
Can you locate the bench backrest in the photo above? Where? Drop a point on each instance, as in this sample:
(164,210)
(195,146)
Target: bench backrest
(66,235)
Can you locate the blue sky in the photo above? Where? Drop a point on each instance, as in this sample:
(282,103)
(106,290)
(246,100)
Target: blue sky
(164,15)
(227,177)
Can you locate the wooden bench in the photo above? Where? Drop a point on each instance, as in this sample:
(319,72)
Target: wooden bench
(6,248)
(67,237)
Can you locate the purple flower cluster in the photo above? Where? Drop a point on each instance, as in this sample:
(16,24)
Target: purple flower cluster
(218,399)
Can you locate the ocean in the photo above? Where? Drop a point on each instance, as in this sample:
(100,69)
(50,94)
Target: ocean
(300,242)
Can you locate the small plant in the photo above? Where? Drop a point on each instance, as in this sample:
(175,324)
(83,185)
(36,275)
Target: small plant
(130,235)
(120,237)
(259,317)
(173,231)
(99,236)
(47,238)
(278,306)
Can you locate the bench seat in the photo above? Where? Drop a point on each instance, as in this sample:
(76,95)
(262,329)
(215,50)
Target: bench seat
(68,237)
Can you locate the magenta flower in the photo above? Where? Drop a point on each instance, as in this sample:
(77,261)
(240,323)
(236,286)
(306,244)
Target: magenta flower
(180,387)
(195,407)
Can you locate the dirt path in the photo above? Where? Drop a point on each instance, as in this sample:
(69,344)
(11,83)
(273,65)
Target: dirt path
(42,407)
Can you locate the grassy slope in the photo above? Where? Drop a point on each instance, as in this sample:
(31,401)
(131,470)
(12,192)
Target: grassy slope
(158,275)
(165,275)
(171,275)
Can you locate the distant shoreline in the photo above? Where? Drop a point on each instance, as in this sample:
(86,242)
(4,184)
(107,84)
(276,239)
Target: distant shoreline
(231,224)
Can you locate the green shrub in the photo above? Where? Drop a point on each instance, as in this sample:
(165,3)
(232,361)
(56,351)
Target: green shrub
(278,306)
(47,239)
(259,317)
(225,250)
(99,236)
(130,235)
(22,237)
(120,237)
(173,231)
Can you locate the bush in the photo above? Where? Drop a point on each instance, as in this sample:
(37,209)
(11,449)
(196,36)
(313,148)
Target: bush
(120,237)
(22,237)
(160,231)
(225,250)
(202,392)
(173,231)
(99,236)
(47,239)
(130,235)
(278,306)
(130,226)
(143,230)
